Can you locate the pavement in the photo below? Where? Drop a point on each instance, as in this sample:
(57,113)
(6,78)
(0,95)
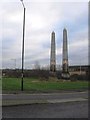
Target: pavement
(23,99)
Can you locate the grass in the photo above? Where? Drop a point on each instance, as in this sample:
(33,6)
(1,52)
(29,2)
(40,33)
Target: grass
(33,84)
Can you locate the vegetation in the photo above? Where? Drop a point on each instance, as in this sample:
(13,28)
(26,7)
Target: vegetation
(35,84)
(41,73)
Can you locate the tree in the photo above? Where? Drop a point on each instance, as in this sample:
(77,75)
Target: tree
(37,65)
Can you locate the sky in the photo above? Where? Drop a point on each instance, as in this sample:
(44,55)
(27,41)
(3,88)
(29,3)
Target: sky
(43,17)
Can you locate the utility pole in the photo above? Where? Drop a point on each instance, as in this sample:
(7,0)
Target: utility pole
(23,45)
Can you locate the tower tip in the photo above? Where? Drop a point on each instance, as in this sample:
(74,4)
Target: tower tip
(64,29)
(53,32)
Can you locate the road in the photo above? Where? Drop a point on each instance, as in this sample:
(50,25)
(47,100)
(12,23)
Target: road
(57,110)
(58,105)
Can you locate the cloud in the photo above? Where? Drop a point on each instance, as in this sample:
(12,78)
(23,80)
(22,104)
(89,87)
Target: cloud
(41,20)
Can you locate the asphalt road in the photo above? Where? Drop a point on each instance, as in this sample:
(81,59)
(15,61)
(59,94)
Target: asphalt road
(59,105)
(45,96)
(56,110)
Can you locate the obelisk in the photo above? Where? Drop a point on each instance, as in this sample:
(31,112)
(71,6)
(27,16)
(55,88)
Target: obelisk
(65,68)
(53,54)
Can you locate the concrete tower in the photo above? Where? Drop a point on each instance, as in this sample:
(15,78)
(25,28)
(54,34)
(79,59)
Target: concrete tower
(65,69)
(53,53)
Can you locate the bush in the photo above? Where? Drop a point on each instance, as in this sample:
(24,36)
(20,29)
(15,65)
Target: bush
(78,77)
(43,74)
(74,77)
(58,74)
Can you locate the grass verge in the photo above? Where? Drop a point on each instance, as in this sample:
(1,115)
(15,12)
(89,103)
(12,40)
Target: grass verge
(33,84)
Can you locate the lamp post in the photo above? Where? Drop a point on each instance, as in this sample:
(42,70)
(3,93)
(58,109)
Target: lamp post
(23,45)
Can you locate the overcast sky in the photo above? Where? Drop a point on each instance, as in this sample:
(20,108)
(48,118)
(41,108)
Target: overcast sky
(41,19)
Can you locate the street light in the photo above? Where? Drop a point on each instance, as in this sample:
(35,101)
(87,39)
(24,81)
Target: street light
(23,45)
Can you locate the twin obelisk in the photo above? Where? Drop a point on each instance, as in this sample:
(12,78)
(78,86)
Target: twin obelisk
(65,72)
(53,53)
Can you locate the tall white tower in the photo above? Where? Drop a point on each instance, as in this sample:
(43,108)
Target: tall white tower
(53,53)
(65,69)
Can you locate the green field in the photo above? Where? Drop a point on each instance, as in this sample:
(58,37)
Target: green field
(32,84)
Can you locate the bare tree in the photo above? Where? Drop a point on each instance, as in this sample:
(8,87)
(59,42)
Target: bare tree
(37,65)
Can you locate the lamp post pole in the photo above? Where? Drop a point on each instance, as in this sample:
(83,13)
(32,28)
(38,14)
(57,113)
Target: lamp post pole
(23,46)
